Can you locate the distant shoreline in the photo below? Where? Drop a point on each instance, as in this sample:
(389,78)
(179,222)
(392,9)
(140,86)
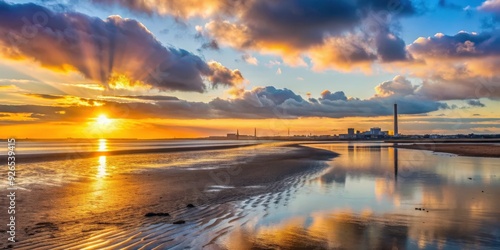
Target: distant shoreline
(474,150)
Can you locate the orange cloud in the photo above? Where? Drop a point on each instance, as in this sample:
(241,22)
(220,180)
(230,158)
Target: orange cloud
(74,42)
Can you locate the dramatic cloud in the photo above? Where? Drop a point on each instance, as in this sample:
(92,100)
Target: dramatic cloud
(179,8)
(390,48)
(462,66)
(296,29)
(259,103)
(115,51)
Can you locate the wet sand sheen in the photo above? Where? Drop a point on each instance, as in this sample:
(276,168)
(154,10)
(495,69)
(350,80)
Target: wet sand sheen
(298,198)
(477,150)
(102,212)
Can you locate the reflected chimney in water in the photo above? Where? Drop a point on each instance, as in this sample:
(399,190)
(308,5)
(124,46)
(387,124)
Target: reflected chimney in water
(396,162)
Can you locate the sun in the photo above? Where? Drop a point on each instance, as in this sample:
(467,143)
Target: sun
(103,120)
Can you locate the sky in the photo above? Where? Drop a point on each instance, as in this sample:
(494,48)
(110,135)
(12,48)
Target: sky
(186,68)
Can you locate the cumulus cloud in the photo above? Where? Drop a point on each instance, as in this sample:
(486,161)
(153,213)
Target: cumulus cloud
(490,6)
(103,50)
(399,86)
(224,76)
(461,45)
(460,66)
(327,95)
(258,103)
(298,29)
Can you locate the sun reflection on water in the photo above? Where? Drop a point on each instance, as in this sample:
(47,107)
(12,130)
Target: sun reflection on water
(103,146)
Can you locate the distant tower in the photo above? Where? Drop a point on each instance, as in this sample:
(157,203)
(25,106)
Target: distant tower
(237,134)
(396,120)
(255,132)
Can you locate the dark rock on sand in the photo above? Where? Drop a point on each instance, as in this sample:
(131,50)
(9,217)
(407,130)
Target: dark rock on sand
(40,228)
(179,222)
(156,214)
(190,205)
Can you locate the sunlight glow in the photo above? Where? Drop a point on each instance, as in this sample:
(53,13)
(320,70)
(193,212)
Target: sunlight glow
(103,120)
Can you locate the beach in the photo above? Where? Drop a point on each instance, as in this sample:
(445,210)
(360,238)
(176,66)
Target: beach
(463,149)
(271,195)
(51,216)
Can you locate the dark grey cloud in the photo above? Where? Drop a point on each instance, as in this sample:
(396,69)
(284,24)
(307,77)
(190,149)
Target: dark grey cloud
(149,97)
(212,44)
(461,45)
(449,5)
(255,104)
(45,96)
(390,47)
(96,48)
(327,95)
(303,23)
(259,103)
(475,103)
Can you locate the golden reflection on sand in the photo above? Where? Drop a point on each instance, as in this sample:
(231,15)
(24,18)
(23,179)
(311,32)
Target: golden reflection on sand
(101,168)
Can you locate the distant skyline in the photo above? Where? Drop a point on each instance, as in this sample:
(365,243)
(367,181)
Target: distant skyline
(159,69)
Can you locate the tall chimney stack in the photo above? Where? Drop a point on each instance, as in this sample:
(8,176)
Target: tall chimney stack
(396,120)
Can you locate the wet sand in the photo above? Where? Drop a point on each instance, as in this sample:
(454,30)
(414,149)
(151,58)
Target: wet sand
(79,155)
(97,213)
(477,150)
